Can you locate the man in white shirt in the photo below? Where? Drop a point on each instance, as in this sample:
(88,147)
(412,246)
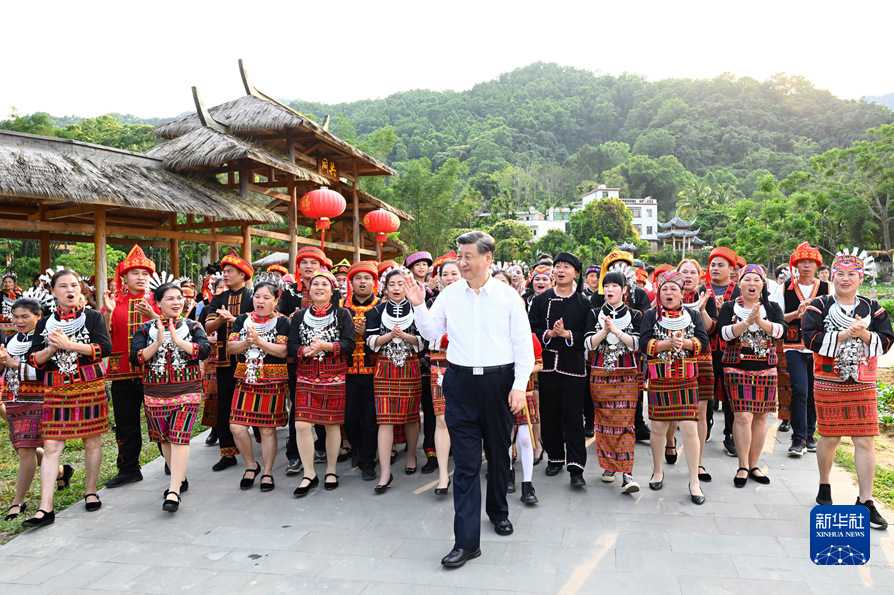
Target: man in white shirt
(490,357)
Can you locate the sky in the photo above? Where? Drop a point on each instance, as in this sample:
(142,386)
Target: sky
(90,58)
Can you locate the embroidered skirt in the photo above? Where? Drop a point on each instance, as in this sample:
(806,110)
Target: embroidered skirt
(783,390)
(673,399)
(532,398)
(438,367)
(321,400)
(615,394)
(78,410)
(171,419)
(398,390)
(259,405)
(705,377)
(24,424)
(751,391)
(845,408)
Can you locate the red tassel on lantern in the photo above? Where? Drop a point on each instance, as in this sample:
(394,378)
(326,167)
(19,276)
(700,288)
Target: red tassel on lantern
(322,204)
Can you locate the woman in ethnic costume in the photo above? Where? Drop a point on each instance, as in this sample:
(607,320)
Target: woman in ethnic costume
(751,326)
(848,333)
(69,348)
(613,336)
(672,337)
(391,333)
(696,299)
(23,402)
(215,286)
(10,293)
(169,351)
(447,270)
(259,341)
(321,340)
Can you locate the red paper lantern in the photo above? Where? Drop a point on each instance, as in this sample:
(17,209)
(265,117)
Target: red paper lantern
(381,223)
(322,204)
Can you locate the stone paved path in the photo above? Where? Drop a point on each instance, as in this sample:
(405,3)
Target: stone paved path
(752,540)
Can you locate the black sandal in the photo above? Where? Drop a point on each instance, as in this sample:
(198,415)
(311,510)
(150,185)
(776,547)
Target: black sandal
(247,483)
(22,508)
(48,518)
(92,506)
(540,458)
(761,479)
(268,486)
(443,491)
(740,482)
(63,482)
(704,476)
(382,488)
(170,505)
(303,490)
(330,485)
(671,458)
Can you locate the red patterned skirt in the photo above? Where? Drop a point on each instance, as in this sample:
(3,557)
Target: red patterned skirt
(78,410)
(705,377)
(615,394)
(320,391)
(171,419)
(751,391)
(783,390)
(845,408)
(209,397)
(532,399)
(438,367)
(24,423)
(259,405)
(398,390)
(673,399)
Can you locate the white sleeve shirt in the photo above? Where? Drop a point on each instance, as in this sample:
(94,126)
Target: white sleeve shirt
(485,328)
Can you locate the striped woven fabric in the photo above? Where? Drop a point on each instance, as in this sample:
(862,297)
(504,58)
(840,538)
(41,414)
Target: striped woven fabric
(398,390)
(259,405)
(783,391)
(438,367)
(78,410)
(209,407)
(171,419)
(673,399)
(705,377)
(845,408)
(24,424)
(533,407)
(320,401)
(615,394)
(751,391)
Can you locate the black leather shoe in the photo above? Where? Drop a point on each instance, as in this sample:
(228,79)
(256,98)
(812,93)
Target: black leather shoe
(304,488)
(382,488)
(48,518)
(92,506)
(785,426)
(671,457)
(458,556)
(761,479)
(170,505)
(729,446)
(577,481)
(503,527)
(21,508)
(553,469)
(247,483)
(430,466)
(696,499)
(442,491)
(528,496)
(740,482)
(589,432)
(211,440)
(703,474)
(510,486)
(224,463)
(824,494)
(184,486)
(124,479)
(656,485)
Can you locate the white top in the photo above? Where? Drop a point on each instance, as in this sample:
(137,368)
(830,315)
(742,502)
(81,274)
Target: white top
(486,328)
(778,297)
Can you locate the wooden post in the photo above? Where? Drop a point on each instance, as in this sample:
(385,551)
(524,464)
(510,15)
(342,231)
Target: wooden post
(246,242)
(99,242)
(356,206)
(213,247)
(293,231)
(44,251)
(175,250)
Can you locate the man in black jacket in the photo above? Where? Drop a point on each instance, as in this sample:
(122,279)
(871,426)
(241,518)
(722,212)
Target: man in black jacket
(558,317)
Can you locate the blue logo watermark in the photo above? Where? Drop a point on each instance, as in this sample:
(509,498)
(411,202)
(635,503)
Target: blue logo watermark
(839,535)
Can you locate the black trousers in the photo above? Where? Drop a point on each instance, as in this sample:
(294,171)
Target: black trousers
(292,442)
(803,409)
(428,418)
(561,419)
(360,419)
(478,413)
(225,387)
(127,401)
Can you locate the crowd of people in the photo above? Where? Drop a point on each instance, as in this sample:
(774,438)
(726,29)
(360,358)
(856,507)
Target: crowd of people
(358,360)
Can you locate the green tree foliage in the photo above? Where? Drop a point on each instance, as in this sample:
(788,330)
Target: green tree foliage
(81,259)
(105,130)
(608,218)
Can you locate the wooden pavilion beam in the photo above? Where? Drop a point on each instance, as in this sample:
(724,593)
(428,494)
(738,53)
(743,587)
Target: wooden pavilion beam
(117,230)
(99,241)
(355,200)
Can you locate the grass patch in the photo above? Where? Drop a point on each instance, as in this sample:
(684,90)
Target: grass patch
(883,489)
(73,455)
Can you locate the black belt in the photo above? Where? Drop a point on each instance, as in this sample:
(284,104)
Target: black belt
(481,370)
